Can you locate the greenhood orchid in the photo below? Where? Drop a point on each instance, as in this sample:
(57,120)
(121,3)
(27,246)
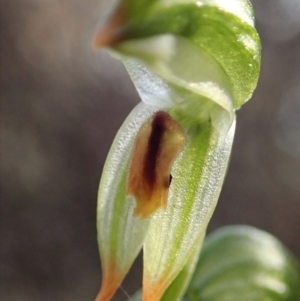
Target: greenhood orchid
(194,63)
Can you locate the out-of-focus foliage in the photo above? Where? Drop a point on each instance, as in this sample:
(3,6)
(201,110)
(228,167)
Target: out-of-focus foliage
(243,262)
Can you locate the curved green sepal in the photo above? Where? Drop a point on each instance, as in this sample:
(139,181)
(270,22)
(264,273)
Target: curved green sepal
(224,30)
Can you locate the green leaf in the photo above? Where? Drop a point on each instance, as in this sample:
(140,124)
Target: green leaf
(243,261)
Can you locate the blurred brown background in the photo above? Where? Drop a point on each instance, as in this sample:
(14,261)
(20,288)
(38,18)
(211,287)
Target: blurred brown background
(61,105)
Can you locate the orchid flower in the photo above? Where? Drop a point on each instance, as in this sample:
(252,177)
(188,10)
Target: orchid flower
(193,63)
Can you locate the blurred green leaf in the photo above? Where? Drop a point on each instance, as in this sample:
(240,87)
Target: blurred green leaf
(244,263)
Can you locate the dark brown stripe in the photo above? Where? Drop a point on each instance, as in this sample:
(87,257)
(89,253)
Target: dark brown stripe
(154,144)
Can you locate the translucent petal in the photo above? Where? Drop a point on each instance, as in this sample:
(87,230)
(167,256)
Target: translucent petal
(174,233)
(120,235)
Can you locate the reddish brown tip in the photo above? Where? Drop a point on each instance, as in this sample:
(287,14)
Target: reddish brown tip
(111,33)
(110,283)
(154,293)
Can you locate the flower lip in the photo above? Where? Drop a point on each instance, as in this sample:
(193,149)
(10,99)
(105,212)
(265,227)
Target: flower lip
(158,143)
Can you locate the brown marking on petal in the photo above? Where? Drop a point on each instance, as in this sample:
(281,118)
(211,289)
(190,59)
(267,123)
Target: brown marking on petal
(111,33)
(158,143)
(170,180)
(158,127)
